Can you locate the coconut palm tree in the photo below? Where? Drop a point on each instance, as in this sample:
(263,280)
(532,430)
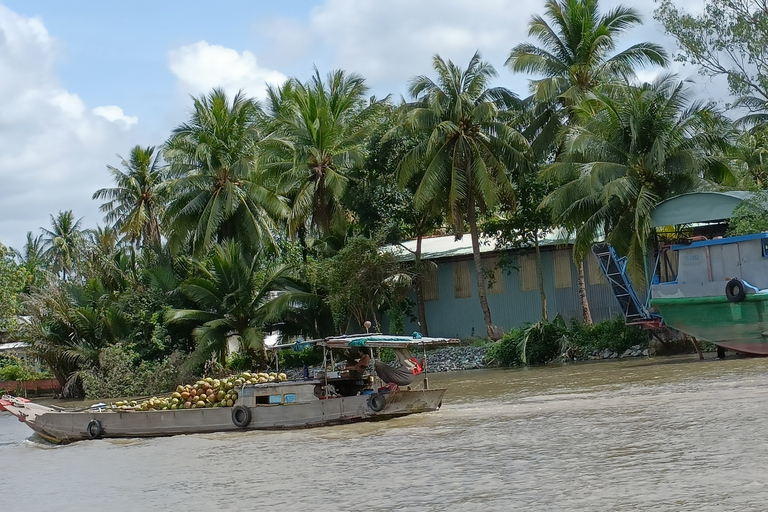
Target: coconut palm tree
(32,257)
(62,242)
(576,49)
(317,133)
(135,205)
(467,152)
(576,56)
(232,293)
(628,151)
(67,329)
(217,193)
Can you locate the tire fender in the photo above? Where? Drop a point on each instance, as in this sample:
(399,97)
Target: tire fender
(735,290)
(377,402)
(241,416)
(94,429)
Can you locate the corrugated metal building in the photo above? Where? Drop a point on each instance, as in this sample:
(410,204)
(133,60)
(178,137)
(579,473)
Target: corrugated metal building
(451,301)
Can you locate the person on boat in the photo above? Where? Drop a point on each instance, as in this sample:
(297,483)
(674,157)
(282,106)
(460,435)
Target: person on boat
(361,363)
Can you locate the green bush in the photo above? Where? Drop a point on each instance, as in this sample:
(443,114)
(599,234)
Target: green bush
(16,368)
(121,373)
(505,351)
(240,362)
(544,341)
(309,356)
(614,335)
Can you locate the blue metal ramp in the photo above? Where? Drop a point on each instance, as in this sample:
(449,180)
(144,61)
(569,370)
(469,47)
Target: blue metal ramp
(615,271)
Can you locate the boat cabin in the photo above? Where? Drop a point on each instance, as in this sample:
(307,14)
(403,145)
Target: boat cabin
(703,268)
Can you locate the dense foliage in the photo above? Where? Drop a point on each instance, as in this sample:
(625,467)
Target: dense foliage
(545,341)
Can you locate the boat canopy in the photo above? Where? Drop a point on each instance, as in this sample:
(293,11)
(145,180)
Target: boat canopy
(697,207)
(377,340)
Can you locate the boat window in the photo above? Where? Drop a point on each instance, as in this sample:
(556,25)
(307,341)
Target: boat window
(668,266)
(290,398)
(275,399)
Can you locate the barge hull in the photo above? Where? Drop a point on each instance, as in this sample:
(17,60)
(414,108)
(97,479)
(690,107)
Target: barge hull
(68,426)
(739,326)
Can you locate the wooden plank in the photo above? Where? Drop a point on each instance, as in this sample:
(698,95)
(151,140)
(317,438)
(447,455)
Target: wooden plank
(461,288)
(527,269)
(429,282)
(562,263)
(494,275)
(595,275)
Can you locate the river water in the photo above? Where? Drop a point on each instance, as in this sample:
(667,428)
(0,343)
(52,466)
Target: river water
(661,434)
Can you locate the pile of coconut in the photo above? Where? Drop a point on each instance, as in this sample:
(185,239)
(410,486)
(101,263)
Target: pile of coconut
(204,393)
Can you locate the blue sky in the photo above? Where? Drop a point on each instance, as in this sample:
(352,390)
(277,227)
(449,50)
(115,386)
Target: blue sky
(83,81)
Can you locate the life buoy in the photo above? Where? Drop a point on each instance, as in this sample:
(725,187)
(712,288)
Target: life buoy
(735,291)
(241,416)
(377,402)
(94,429)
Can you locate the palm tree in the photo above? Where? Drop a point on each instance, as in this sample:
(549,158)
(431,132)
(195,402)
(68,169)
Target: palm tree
(467,151)
(232,293)
(574,58)
(68,330)
(750,153)
(217,194)
(317,133)
(32,257)
(136,203)
(62,242)
(628,151)
(575,55)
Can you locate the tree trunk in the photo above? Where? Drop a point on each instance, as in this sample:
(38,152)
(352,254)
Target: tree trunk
(540,274)
(481,291)
(422,311)
(586,315)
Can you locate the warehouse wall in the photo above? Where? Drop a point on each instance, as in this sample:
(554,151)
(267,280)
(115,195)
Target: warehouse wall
(514,297)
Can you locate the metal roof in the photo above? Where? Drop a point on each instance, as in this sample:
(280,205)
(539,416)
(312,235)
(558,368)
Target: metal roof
(14,345)
(447,246)
(697,207)
(378,340)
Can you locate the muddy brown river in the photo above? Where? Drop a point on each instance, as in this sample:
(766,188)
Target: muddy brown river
(661,434)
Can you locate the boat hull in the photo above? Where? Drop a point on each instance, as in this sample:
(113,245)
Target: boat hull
(740,326)
(68,426)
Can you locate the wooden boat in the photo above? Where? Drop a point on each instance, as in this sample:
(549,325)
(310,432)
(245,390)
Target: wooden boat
(329,398)
(719,292)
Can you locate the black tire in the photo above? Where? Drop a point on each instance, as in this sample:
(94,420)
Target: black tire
(241,416)
(377,402)
(735,291)
(94,429)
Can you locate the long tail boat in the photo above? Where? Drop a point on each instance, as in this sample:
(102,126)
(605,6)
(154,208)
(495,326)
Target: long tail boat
(327,398)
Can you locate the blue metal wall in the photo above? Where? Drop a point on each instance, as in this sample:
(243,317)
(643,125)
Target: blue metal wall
(462,317)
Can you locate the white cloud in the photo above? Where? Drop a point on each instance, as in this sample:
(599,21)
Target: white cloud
(391,42)
(202,66)
(54,149)
(115,114)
